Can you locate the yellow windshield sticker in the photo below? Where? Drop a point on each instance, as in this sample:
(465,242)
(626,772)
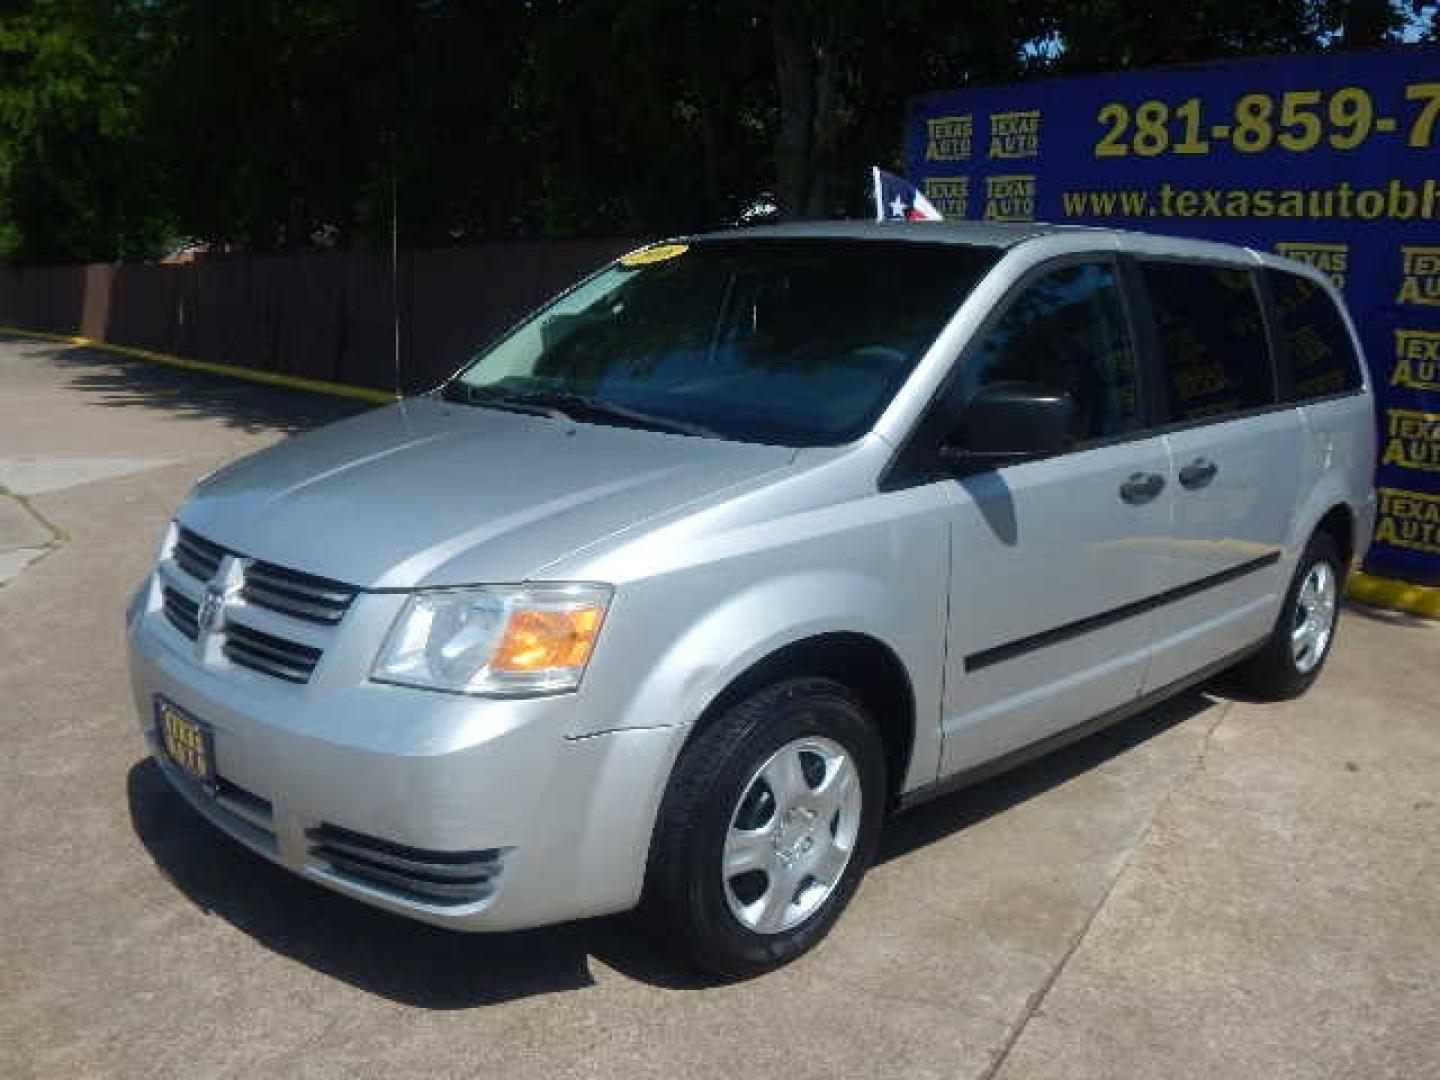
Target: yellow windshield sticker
(658,253)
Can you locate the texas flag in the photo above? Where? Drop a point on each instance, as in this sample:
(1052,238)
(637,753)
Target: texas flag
(897,199)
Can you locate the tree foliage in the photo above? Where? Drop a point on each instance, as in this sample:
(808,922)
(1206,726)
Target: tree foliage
(130,126)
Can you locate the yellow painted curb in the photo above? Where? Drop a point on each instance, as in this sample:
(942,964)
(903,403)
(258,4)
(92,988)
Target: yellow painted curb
(1398,595)
(273,378)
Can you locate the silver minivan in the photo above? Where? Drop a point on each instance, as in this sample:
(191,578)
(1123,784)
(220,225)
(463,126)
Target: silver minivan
(744,542)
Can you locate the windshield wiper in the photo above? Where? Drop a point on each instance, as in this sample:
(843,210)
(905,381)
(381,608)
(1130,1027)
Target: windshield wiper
(580,406)
(564,405)
(487,398)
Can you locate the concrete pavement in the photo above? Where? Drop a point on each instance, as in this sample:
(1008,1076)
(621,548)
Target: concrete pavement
(1213,889)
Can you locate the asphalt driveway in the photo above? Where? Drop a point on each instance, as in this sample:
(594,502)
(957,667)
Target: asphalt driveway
(1213,889)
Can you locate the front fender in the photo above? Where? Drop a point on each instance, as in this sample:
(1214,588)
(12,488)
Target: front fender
(656,673)
(697,664)
(699,604)
(767,616)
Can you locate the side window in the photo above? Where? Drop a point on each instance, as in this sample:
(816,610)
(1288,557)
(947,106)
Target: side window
(1212,339)
(1322,355)
(1066,331)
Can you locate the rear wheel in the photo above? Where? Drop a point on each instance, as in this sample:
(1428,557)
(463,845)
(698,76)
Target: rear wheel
(1293,656)
(769,823)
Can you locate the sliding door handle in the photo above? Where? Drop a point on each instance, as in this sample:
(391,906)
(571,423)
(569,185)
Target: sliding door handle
(1141,488)
(1198,473)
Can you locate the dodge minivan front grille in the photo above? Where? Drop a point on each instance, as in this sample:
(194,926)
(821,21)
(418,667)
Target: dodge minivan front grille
(197,556)
(182,612)
(278,650)
(302,596)
(433,877)
(273,655)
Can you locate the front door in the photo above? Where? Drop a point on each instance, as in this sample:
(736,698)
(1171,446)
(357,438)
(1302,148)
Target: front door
(1053,561)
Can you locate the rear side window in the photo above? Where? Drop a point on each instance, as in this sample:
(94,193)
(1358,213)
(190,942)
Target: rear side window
(1213,348)
(1066,330)
(1322,356)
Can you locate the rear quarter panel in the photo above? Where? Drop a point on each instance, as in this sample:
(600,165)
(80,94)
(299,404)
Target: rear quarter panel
(1340,437)
(1339,467)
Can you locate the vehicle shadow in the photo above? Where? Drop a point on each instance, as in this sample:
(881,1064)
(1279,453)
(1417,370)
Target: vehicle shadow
(396,958)
(431,968)
(117,382)
(942,817)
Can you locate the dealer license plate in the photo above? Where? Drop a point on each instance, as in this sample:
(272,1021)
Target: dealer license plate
(186,741)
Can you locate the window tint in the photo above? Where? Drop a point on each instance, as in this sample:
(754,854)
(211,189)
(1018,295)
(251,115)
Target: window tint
(1212,339)
(795,342)
(1322,355)
(1066,331)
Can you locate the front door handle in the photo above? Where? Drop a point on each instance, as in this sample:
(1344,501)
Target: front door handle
(1198,473)
(1141,488)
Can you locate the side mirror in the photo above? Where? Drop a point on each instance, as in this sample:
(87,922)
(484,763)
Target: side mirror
(1007,422)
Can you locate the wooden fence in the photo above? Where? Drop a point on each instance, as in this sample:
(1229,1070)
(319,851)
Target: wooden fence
(316,315)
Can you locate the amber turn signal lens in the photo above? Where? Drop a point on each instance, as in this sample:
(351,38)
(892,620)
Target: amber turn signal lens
(539,640)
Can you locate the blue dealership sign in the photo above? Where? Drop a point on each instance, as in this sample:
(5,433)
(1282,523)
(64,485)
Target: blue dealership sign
(1332,159)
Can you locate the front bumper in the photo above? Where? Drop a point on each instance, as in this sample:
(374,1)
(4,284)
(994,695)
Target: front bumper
(334,781)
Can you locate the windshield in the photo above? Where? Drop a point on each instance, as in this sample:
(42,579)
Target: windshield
(796,343)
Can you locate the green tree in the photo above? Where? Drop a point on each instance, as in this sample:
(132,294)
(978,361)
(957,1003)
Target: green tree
(128,125)
(74,156)
(1367,24)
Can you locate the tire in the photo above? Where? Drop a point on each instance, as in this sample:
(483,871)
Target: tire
(1286,666)
(788,786)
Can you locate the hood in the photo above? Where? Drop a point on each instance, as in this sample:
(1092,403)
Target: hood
(434,493)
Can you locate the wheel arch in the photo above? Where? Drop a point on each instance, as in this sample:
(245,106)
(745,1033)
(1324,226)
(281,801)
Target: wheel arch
(860,662)
(1339,523)
(1330,508)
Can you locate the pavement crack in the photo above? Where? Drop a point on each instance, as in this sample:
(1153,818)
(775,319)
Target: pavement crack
(28,555)
(58,535)
(1037,998)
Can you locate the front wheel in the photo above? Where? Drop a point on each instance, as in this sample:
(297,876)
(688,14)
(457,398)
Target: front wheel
(769,822)
(1296,650)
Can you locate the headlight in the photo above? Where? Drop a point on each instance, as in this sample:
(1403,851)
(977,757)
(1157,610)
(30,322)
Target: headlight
(495,640)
